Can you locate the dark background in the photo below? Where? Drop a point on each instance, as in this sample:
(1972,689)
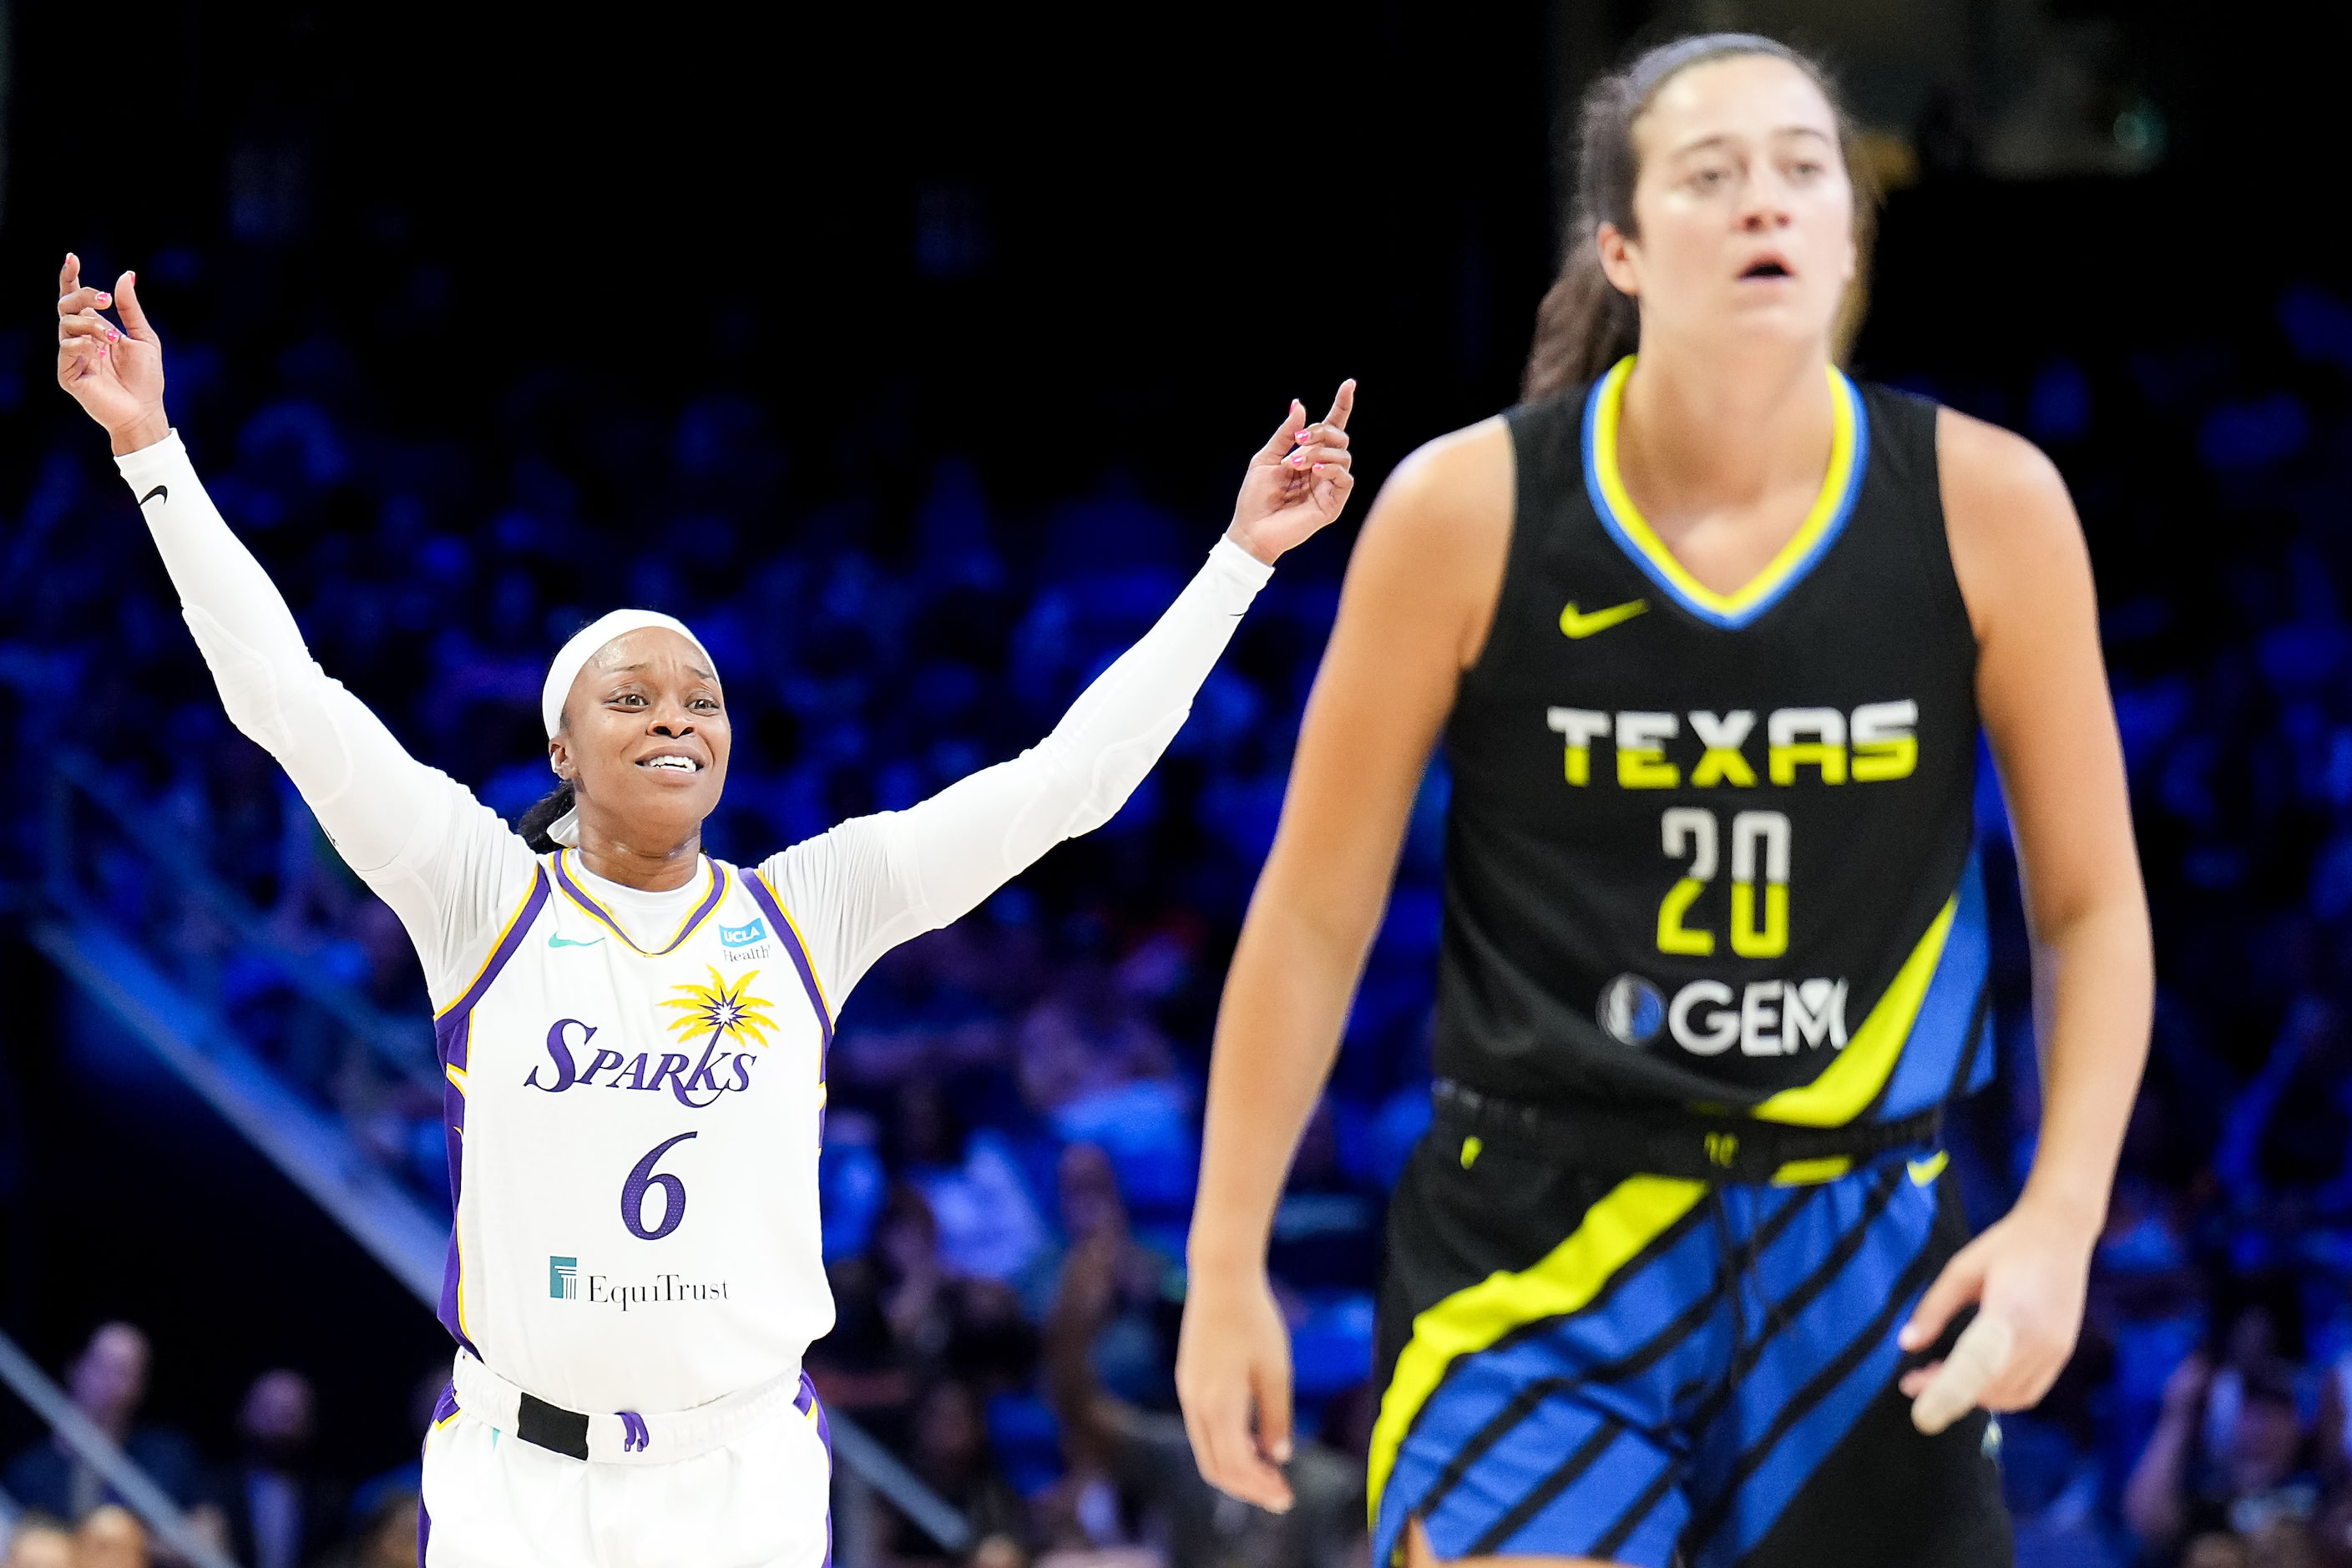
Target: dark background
(1062,244)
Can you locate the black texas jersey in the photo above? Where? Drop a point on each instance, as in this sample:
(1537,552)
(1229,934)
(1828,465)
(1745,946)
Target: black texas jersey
(1718,850)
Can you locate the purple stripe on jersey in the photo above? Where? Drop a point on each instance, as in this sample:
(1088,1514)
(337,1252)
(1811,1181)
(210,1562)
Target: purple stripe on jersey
(424,1535)
(449,1029)
(447,1310)
(805,1400)
(790,935)
(453,1034)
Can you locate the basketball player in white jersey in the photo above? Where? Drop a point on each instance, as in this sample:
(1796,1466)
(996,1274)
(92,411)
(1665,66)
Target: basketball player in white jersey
(634,1033)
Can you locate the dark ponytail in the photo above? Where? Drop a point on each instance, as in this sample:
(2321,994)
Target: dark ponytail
(1584,325)
(533,825)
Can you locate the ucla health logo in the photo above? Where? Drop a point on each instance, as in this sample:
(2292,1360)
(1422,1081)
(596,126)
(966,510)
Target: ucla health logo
(564,1279)
(711,1016)
(743,936)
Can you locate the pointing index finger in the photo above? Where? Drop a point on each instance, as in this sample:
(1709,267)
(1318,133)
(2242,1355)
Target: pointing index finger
(1343,404)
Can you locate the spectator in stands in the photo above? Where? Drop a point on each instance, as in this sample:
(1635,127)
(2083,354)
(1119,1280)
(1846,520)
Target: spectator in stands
(385,1536)
(39,1541)
(110,1536)
(1131,1470)
(108,1382)
(954,1457)
(2260,1483)
(281,1513)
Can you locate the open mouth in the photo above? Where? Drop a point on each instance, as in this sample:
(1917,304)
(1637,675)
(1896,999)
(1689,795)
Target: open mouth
(670,762)
(1767,267)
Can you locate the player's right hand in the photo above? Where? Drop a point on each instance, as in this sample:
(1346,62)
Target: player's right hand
(1232,1375)
(115,372)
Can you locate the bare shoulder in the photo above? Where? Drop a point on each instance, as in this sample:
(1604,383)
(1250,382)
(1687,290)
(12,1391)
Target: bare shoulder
(1438,537)
(2006,512)
(1462,480)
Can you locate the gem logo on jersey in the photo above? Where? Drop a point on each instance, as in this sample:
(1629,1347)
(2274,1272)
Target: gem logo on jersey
(1632,1010)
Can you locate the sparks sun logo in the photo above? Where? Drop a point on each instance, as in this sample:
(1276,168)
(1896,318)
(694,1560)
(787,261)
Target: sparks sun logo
(721,1010)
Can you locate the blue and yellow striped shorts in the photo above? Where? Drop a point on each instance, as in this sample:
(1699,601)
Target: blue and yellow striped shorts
(1659,1371)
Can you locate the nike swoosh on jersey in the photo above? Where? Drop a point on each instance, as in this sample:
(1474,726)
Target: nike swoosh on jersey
(1578,627)
(554,941)
(164,490)
(1926,1171)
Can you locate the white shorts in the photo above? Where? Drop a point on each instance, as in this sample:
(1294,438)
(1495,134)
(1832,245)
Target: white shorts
(748,1488)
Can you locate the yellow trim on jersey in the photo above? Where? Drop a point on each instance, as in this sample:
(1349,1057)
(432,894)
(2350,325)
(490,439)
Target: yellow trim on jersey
(495,942)
(1811,1172)
(571,889)
(1848,1084)
(456,1077)
(1792,555)
(1614,1232)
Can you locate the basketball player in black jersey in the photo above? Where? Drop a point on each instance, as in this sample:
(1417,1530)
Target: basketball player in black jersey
(1708,631)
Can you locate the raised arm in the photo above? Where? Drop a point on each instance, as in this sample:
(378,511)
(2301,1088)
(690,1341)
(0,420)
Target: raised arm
(1419,596)
(873,882)
(447,865)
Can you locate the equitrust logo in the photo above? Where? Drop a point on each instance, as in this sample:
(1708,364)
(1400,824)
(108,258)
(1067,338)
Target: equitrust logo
(604,1291)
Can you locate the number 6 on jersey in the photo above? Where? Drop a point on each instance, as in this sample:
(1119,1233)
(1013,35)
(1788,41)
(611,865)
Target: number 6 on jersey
(642,1179)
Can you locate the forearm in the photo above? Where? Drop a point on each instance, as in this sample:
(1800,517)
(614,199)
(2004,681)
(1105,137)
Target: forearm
(367,792)
(975,835)
(1278,1033)
(2094,982)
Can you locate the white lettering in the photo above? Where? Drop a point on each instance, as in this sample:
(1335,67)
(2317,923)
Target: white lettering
(1760,1019)
(1773,828)
(1881,723)
(1824,725)
(1688,823)
(1815,1011)
(1581,726)
(1721,1027)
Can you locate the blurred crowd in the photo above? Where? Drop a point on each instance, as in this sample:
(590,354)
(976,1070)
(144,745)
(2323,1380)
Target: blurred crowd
(1016,1115)
(268,1506)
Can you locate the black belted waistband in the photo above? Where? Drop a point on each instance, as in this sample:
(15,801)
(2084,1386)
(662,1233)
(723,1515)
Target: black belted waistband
(1690,1144)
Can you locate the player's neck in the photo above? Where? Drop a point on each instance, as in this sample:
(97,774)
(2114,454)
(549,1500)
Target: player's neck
(652,865)
(1703,427)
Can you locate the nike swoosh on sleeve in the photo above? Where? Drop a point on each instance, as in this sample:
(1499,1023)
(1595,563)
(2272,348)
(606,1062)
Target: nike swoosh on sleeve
(1581,626)
(162,491)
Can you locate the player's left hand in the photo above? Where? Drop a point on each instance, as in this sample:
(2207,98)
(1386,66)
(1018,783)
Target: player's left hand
(1298,483)
(2027,1276)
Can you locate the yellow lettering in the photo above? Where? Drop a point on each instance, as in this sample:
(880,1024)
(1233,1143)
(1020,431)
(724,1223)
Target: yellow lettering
(1672,935)
(1787,760)
(1746,940)
(1580,765)
(1722,766)
(1877,759)
(1646,769)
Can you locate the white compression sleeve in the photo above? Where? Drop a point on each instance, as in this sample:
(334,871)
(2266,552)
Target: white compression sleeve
(447,865)
(871,883)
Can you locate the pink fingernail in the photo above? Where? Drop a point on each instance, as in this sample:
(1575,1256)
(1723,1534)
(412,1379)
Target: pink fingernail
(112,335)
(104,298)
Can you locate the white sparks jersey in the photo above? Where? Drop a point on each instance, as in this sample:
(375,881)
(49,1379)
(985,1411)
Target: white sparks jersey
(634,1148)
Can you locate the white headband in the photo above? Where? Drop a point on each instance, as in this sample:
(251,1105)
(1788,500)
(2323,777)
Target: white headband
(573,656)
